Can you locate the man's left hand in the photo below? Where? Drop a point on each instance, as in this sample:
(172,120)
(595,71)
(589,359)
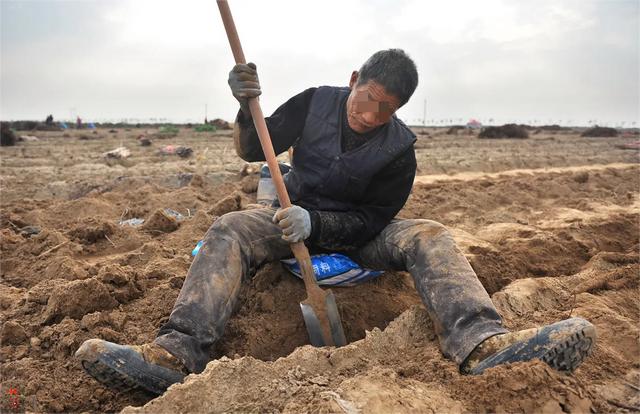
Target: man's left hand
(295,223)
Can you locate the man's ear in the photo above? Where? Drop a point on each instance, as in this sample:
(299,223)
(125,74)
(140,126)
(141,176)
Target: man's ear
(354,79)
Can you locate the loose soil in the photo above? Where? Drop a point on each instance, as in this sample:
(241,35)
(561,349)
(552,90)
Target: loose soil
(550,224)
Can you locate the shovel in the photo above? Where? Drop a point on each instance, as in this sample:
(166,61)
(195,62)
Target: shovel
(319,310)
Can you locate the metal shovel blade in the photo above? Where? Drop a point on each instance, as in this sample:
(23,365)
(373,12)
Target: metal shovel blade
(314,327)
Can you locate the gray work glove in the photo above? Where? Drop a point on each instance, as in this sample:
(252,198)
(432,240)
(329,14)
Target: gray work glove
(295,223)
(244,83)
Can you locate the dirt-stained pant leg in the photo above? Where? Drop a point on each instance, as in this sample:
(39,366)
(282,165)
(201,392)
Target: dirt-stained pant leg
(234,247)
(460,307)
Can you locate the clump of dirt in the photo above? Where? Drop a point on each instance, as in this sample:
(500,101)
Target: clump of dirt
(197,181)
(250,169)
(250,183)
(226,205)
(598,131)
(90,137)
(160,222)
(121,281)
(77,298)
(91,230)
(504,131)
(12,333)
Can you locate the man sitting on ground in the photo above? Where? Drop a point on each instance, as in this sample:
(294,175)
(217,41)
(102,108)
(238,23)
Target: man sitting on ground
(352,171)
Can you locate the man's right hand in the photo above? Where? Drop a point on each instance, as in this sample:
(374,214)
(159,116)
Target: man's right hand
(244,83)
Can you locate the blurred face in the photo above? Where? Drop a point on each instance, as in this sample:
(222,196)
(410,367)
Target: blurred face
(369,105)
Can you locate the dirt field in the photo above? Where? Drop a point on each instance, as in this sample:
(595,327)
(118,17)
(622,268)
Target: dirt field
(550,224)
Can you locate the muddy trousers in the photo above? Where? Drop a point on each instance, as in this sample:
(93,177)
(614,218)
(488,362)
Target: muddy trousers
(238,243)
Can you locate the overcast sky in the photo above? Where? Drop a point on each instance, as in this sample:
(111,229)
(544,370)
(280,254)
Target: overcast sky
(508,60)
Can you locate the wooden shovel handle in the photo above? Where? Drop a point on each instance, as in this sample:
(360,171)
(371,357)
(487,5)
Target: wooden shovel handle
(299,249)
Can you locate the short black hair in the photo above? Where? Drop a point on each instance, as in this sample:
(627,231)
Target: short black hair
(394,70)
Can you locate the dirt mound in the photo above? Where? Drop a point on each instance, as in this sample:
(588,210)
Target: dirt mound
(504,131)
(453,130)
(555,128)
(395,370)
(221,124)
(598,131)
(400,369)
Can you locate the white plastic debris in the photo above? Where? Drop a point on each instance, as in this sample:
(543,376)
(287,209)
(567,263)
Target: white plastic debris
(118,153)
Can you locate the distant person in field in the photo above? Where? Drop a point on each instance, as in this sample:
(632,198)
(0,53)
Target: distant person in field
(352,171)
(78,122)
(49,120)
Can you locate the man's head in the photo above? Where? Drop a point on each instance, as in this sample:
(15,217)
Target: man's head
(383,84)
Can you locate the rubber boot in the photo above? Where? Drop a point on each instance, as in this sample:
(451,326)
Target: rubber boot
(562,345)
(128,367)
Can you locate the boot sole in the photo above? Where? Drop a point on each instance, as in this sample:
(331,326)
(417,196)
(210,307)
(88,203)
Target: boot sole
(122,369)
(110,377)
(563,346)
(569,354)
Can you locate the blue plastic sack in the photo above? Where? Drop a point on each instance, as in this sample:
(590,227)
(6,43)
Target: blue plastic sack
(334,270)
